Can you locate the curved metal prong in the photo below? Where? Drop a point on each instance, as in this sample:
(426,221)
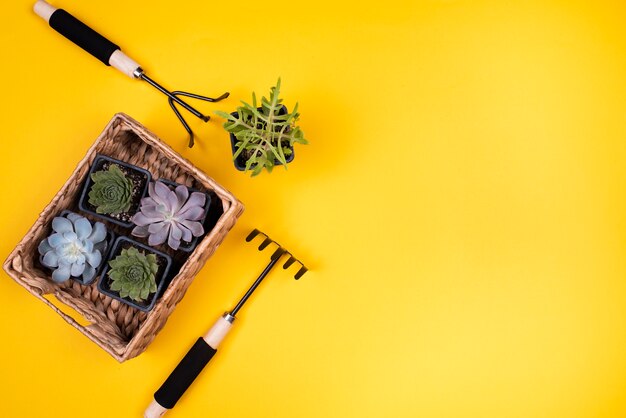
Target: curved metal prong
(301,272)
(289,262)
(278,253)
(265,243)
(199,97)
(253,234)
(183,121)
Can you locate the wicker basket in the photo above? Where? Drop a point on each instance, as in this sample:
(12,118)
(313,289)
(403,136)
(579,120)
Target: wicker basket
(123,331)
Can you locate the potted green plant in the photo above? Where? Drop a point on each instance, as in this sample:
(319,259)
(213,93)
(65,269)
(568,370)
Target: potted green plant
(263,136)
(113,190)
(135,274)
(75,249)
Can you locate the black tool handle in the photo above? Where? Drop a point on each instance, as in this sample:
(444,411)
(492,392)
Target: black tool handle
(86,38)
(189,368)
(82,35)
(184,374)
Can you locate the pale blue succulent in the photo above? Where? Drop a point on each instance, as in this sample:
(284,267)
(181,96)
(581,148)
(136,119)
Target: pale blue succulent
(75,248)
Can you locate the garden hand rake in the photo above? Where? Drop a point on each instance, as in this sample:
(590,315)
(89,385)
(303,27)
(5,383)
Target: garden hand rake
(205,347)
(111,54)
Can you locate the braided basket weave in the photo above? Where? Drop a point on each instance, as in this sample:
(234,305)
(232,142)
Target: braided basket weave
(121,330)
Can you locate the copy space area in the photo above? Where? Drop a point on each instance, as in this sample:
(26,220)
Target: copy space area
(461,206)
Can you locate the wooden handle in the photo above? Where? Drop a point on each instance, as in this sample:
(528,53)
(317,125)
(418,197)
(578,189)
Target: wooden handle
(218,331)
(44,10)
(154,410)
(124,63)
(189,368)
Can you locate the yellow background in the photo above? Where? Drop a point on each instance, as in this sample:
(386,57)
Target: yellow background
(461,205)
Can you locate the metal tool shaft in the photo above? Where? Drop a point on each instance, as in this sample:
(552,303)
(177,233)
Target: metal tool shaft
(256,284)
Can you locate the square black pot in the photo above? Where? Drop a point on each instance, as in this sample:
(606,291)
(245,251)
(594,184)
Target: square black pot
(143,178)
(104,251)
(184,245)
(240,161)
(162,279)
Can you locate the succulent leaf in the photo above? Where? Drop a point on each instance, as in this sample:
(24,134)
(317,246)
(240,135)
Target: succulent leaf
(133,274)
(60,225)
(111,191)
(73,249)
(169,215)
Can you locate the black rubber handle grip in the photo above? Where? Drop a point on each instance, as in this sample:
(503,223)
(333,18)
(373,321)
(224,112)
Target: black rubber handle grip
(82,35)
(184,374)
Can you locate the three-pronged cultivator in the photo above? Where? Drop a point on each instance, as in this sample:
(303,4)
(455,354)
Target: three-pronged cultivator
(111,54)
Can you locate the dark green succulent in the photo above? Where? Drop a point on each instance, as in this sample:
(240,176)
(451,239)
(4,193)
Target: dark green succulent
(111,192)
(133,274)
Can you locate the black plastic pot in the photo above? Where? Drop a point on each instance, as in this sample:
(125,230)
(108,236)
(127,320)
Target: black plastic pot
(104,251)
(140,190)
(216,210)
(162,278)
(184,245)
(240,161)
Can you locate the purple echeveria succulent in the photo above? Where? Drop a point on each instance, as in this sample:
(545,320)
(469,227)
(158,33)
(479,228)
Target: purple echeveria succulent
(169,215)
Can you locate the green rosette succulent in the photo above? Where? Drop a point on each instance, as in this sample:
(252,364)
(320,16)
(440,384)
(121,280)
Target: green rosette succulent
(111,192)
(133,274)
